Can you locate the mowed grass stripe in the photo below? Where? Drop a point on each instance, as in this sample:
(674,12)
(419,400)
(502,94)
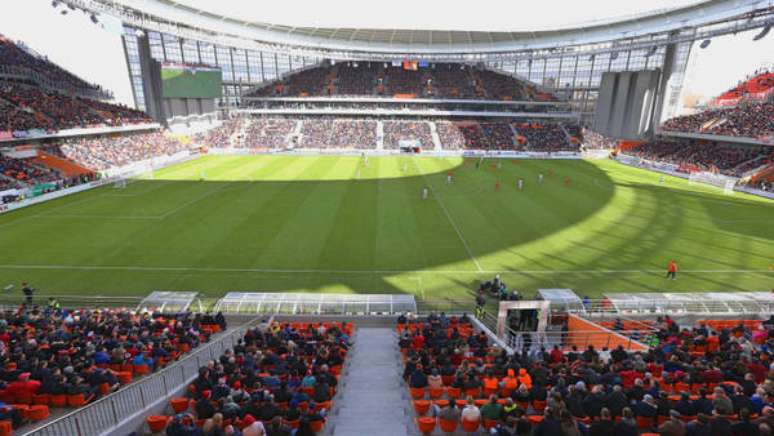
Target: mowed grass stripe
(294,223)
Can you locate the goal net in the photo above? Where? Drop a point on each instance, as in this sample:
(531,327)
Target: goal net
(724,182)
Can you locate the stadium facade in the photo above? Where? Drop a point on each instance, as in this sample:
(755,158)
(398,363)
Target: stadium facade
(569,62)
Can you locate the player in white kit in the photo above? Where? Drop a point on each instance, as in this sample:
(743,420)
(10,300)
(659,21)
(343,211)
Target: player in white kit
(520,184)
(540,178)
(424,193)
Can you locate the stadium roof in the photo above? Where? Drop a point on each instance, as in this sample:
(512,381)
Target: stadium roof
(484,15)
(177,17)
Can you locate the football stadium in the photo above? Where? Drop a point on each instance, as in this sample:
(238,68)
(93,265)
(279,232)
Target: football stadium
(289,219)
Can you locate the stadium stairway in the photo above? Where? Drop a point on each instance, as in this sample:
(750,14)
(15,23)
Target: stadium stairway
(436,139)
(373,401)
(379,135)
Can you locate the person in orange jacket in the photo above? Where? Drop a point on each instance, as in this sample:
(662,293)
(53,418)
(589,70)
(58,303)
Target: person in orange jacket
(525,378)
(672,270)
(491,384)
(510,382)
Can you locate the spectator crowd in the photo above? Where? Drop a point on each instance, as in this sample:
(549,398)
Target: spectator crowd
(62,357)
(438,81)
(104,152)
(27,107)
(752,120)
(713,378)
(15,55)
(397,131)
(279,378)
(731,160)
(338,133)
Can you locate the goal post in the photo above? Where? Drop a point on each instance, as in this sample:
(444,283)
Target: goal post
(718,180)
(120,183)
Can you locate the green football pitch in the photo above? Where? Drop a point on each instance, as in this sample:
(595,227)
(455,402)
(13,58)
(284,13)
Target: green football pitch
(339,224)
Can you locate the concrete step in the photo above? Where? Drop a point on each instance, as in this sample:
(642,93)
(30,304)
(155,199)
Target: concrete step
(372,398)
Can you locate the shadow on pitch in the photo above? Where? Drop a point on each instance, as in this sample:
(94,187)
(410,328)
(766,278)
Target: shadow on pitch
(309,234)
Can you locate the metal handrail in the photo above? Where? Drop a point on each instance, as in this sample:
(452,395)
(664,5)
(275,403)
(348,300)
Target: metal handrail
(72,301)
(110,411)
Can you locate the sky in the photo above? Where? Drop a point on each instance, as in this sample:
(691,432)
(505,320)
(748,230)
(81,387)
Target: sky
(97,55)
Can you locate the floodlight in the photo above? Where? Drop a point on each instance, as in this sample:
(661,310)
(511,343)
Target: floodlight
(705,43)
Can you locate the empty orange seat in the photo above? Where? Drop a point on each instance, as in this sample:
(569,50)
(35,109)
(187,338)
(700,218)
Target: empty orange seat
(6,428)
(142,369)
(317,426)
(104,389)
(448,426)
(454,393)
(426,425)
(417,393)
(125,377)
(539,405)
(293,424)
(436,393)
(470,426)
(38,412)
(76,400)
(157,423)
(179,404)
(644,423)
(58,400)
(421,406)
(441,403)
(40,399)
(23,398)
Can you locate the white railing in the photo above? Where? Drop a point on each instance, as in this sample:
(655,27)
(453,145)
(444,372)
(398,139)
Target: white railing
(102,415)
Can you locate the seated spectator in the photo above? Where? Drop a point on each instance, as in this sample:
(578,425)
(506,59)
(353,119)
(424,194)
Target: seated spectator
(470,412)
(674,426)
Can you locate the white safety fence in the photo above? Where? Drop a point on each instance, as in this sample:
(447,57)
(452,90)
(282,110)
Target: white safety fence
(101,416)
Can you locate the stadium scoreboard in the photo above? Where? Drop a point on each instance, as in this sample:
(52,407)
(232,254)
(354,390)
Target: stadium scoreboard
(191,82)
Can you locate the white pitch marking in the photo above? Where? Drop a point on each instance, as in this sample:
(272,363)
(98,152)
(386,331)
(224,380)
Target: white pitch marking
(333,271)
(451,221)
